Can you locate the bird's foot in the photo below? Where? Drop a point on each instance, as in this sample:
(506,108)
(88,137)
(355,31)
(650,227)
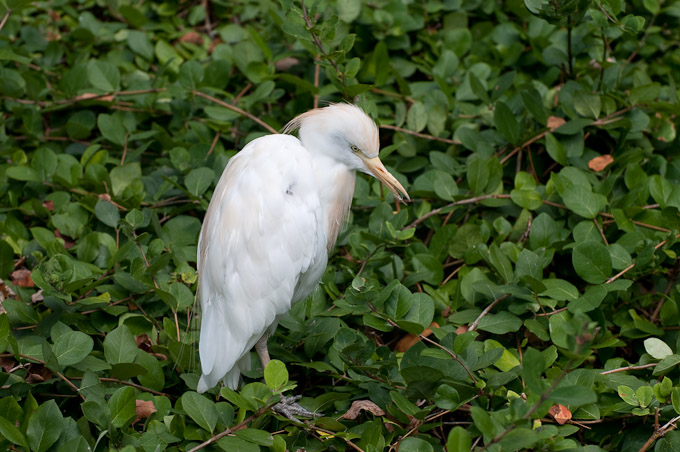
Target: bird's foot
(289,408)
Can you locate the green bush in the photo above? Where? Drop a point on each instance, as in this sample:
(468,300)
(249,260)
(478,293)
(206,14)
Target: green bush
(537,140)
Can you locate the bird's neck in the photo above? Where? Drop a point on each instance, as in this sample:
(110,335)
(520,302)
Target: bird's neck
(337,180)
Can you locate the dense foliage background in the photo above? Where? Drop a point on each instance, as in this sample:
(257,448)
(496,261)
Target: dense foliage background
(537,140)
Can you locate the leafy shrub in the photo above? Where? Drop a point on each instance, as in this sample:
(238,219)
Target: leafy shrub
(525,300)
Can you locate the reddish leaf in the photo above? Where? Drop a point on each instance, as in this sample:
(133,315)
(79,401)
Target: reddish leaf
(410,340)
(600,163)
(561,413)
(22,278)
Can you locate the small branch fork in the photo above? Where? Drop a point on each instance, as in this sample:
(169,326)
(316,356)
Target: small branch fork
(659,431)
(318,43)
(427,339)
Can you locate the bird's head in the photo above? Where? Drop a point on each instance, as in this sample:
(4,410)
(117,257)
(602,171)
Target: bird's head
(348,135)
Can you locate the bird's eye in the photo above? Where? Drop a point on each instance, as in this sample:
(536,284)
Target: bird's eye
(354,148)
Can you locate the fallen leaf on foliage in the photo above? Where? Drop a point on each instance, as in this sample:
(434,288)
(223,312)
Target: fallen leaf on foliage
(462,329)
(6,364)
(37,373)
(68,243)
(192,37)
(362,405)
(37,297)
(214,43)
(286,63)
(600,163)
(49,205)
(446,312)
(410,340)
(144,408)
(144,342)
(561,413)
(554,122)
(6,291)
(22,278)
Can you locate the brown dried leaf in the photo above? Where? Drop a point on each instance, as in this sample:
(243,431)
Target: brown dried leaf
(5,293)
(554,122)
(193,38)
(68,243)
(462,329)
(286,63)
(410,340)
(49,205)
(362,405)
(144,408)
(600,163)
(214,43)
(7,364)
(22,278)
(144,342)
(37,297)
(37,373)
(561,413)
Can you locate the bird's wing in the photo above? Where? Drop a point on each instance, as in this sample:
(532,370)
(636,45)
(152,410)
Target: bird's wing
(261,232)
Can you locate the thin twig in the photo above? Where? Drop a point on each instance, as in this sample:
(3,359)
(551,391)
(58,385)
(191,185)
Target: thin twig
(318,43)
(557,311)
(391,94)
(599,228)
(627,368)
(236,109)
(660,433)
(419,135)
(317,70)
(474,200)
(4,18)
(214,143)
(486,311)
(59,374)
(229,431)
(451,354)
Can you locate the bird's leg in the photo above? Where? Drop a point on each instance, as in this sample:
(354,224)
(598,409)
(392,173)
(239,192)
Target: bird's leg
(288,406)
(262,352)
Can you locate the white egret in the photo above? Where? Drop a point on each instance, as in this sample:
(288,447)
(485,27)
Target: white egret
(272,221)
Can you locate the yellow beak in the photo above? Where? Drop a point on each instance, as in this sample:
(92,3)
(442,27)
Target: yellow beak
(376,167)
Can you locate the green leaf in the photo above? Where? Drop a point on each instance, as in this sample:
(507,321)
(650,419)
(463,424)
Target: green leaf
(103,76)
(11,433)
(122,406)
(107,213)
(444,185)
(500,323)
(588,105)
(592,262)
(657,348)
(573,396)
(276,375)
(200,410)
(582,201)
(559,289)
(120,346)
(72,347)
(417,117)
(45,426)
(459,439)
(477,173)
(199,180)
(112,128)
(191,74)
(506,123)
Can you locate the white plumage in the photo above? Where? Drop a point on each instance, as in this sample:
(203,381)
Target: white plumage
(273,219)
